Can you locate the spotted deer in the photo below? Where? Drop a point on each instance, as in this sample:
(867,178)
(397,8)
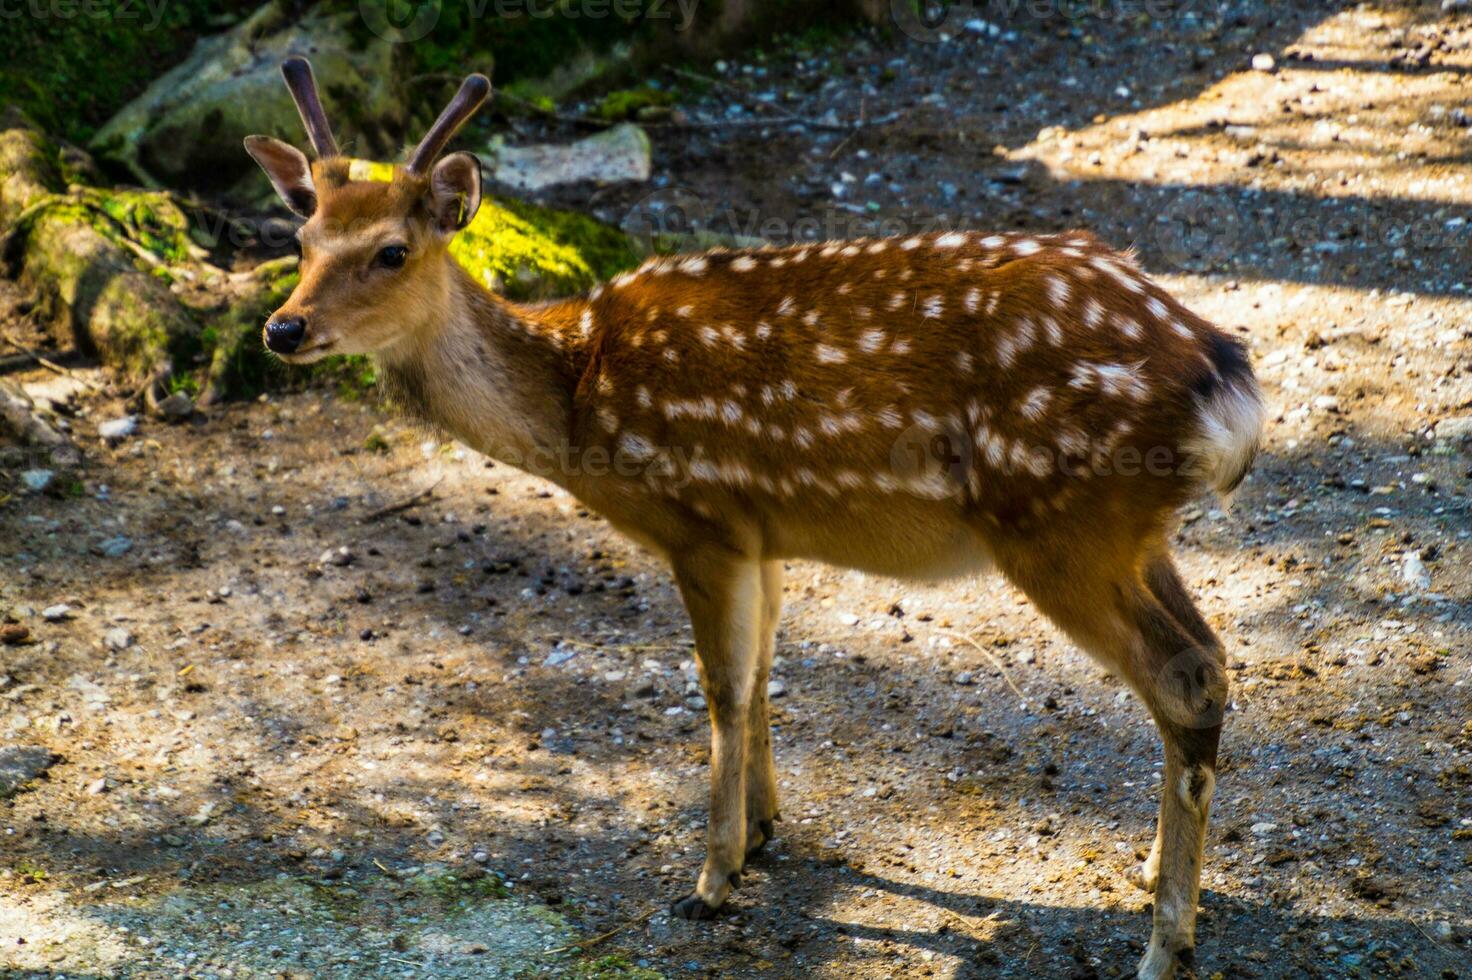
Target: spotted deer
(923,407)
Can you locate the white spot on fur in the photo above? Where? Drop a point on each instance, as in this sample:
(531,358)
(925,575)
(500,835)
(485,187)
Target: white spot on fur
(684,311)
(993,241)
(763,330)
(889,417)
(642,396)
(951,239)
(810,318)
(896,301)
(1026,246)
(871,340)
(1156,307)
(1128,326)
(585,323)
(934,306)
(876,247)
(963,362)
(743,263)
(972,299)
(786,307)
(1036,402)
(910,244)
(1093,313)
(1059,289)
(830,355)
(636,446)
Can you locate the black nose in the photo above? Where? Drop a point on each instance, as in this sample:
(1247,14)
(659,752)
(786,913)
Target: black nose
(285,336)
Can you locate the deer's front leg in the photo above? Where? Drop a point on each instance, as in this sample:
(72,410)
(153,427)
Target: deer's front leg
(761,773)
(723,594)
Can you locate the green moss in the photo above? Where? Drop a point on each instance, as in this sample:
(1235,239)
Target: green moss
(613,967)
(532,252)
(453,892)
(626,103)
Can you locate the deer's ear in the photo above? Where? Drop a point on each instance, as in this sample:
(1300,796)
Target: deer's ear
(454,191)
(289,171)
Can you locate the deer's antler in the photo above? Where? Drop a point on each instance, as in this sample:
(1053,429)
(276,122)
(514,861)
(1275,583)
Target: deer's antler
(473,92)
(298,75)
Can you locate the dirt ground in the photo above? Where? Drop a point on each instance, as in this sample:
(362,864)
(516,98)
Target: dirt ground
(332,698)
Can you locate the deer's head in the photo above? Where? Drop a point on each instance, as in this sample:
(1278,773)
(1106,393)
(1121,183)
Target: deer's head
(375,262)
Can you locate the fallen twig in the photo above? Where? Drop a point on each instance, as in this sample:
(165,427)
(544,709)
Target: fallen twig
(402,505)
(995,662)
(595,940)
(51,365)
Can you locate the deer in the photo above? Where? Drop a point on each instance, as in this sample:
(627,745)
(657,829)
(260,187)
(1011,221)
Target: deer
(926,407)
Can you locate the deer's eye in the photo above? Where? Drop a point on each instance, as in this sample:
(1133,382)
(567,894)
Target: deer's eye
(392,256)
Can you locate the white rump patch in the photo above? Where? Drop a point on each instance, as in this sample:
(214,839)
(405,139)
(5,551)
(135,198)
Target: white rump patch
(1228,431)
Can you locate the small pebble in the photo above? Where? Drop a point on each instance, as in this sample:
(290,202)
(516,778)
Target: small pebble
(56,613)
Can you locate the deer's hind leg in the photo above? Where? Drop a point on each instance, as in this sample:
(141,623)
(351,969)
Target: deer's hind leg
(1165,582)
(723,594)
(761,772)
(1118,618)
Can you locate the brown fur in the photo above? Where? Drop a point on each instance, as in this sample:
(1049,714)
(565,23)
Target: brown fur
(923,408)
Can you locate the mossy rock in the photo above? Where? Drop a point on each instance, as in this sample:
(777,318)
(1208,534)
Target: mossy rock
(96,260)
(185,129)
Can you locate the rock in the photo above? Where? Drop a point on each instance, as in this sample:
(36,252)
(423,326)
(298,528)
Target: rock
(36,480)
(559,657)
(20,764)
(175,408)
(88,253)
(186,128)
(341,557)
(1414,573)
(14,634)
(964,678)
(54,392)
(116,430)
(56,613)
(117,638)
(620,153)
(1263,62)
(776,689)
(18,413)
(1263,828)
(97,787)
(1326,403)
(116,547)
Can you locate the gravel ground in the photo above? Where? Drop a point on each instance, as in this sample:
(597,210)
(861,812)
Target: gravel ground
(474,720)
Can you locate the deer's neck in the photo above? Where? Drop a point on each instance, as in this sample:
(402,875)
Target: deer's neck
(497,376)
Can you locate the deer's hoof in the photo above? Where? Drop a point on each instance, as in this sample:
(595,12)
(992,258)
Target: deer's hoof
(1162,964)
(693,908)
